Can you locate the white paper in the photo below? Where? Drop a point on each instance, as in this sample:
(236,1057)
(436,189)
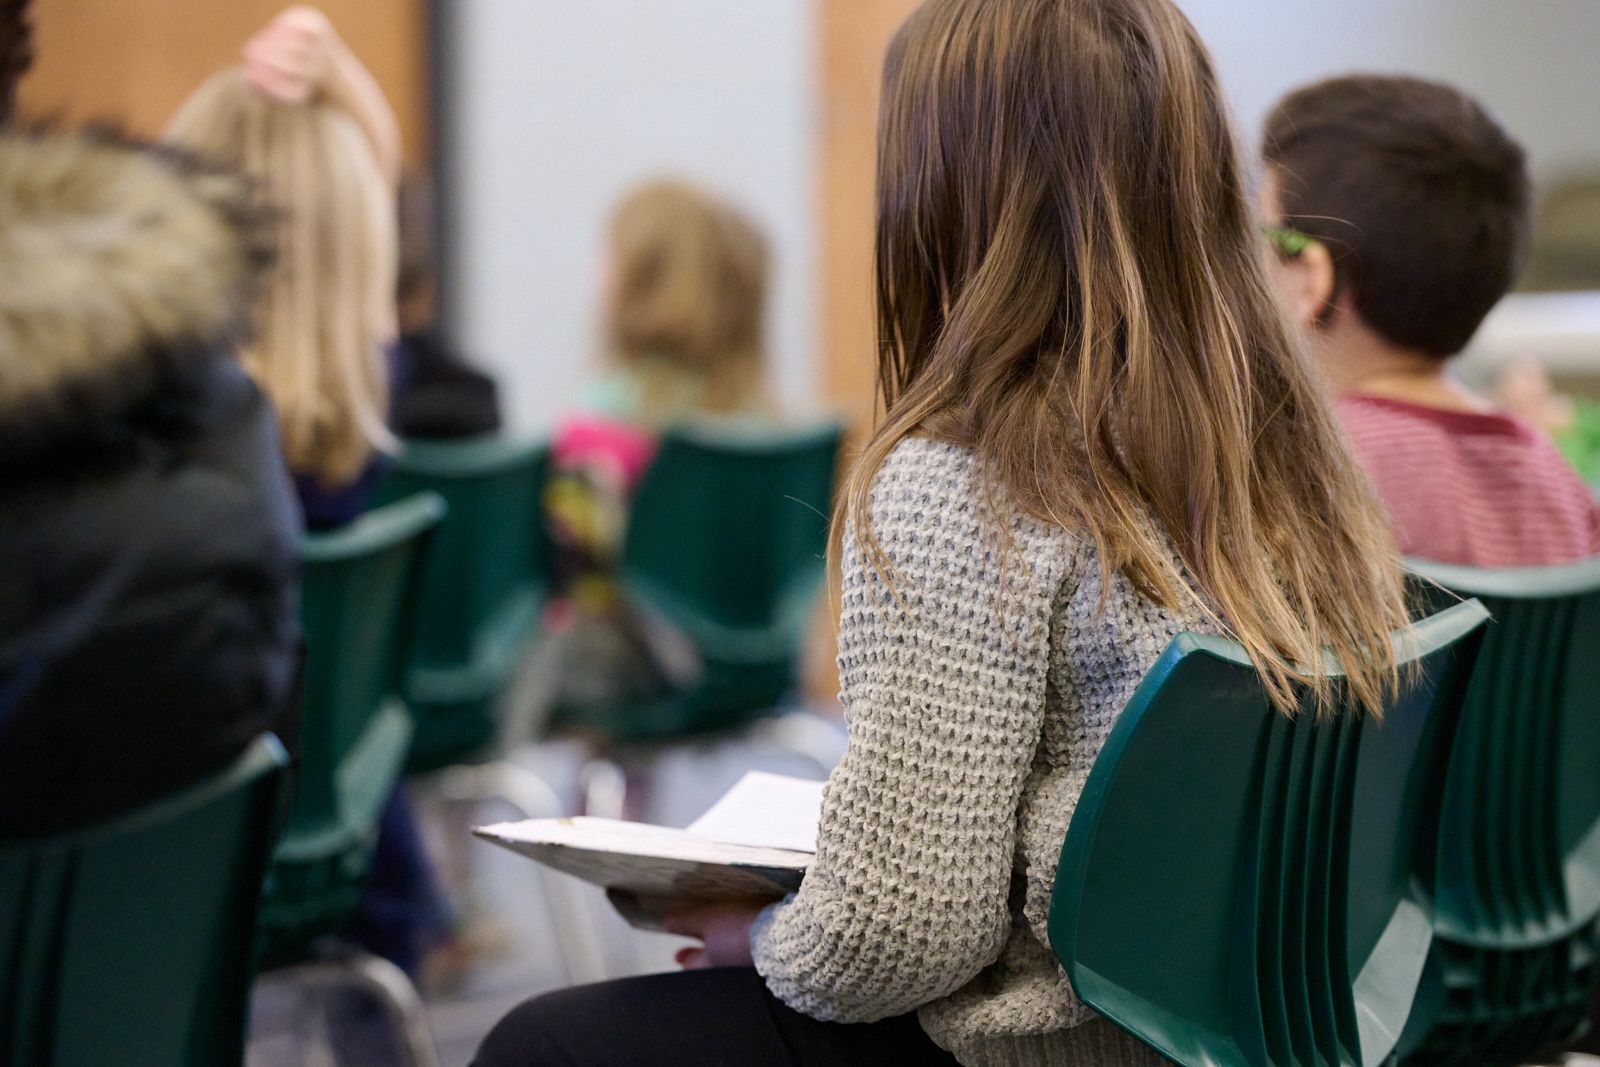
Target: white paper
(765,811)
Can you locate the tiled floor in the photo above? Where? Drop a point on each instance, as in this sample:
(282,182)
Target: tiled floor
(290,1031)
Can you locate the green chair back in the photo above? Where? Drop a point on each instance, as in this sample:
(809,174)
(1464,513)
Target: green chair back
(482,590)
(359,588)
(727,540)
(1519,842)
(130,942)
(1242,888)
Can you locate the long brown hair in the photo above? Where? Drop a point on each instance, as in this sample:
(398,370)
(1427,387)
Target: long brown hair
(328,310)
(1070,283)
(687,301)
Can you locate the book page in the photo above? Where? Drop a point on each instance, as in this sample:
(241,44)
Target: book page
(765,810)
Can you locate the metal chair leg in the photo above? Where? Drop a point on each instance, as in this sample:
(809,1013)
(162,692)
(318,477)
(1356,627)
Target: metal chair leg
(605,788)
(388,984)
(571,912)
(804,734)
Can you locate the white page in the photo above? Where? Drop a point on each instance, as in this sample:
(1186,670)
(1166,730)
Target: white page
(765,811)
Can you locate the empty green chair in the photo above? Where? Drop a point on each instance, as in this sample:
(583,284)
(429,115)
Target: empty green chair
(1242,888)
(482,591)
(359,585)
(130,942)
(727,541)
(1517,951)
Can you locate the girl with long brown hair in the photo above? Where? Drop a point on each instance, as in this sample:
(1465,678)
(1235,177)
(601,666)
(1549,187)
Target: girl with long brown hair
(1097,434)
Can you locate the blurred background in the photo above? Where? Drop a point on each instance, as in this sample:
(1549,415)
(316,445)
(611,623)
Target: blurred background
(535,115)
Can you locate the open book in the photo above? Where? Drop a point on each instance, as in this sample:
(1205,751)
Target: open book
(753,844)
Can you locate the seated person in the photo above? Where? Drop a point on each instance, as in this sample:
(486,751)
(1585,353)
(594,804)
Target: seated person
(438,394)
(307,121)
(148,624)
(685,302)
(1027,528)
(1400,212)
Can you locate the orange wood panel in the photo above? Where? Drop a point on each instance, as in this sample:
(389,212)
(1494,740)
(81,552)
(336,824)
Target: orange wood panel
(136,61)
(854,35)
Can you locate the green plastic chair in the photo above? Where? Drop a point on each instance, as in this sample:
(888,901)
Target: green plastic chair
(482,591)
(1517,952)
(1242,888)
(359,584)
(727,541)
(130,942)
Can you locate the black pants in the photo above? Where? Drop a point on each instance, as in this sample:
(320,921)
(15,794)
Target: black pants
(723,1017)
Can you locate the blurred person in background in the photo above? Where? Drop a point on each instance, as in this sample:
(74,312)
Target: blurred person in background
(306,120)
(685,305)
(148,618)
(442,395)
(1399,210)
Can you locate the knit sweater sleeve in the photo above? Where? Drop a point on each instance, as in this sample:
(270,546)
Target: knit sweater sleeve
(944,694)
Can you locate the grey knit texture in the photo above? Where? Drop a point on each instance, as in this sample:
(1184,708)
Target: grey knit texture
(976,704)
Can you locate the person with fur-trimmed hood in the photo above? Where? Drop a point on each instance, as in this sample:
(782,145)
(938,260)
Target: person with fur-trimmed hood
(147,528)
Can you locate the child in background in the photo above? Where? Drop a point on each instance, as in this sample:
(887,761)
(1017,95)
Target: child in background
(1400,213)
(307,121)
(684,306)
(1098,433)
(441,395)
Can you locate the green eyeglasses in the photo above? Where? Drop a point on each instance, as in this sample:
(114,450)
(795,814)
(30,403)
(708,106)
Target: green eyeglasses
(1290,242)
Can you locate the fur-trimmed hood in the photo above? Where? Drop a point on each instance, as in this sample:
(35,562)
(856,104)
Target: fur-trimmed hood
(117,261)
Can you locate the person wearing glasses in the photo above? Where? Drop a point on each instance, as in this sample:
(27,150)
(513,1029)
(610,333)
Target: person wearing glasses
(1399,213)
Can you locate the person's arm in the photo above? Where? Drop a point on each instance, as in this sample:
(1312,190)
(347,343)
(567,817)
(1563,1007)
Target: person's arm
(300,54)
(944,693)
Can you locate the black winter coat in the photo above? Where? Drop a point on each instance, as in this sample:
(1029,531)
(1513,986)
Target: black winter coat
(148,623)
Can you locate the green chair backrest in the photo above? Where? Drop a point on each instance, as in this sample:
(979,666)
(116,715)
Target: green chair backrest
(491,556)
(727,536)
(359,587)
(1242,888)
(1517,950)
(1519,848)
(130,943)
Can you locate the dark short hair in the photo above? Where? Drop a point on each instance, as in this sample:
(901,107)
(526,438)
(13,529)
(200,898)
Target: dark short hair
(1418,194)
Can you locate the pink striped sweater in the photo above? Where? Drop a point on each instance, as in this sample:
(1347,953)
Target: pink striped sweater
(1481,489)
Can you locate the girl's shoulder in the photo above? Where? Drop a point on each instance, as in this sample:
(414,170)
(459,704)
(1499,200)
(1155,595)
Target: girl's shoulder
(934,490)
(923,467)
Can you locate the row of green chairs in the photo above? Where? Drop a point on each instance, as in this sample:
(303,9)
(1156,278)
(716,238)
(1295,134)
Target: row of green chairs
(1241,888)
(726,542)
(136,941)
(358,597)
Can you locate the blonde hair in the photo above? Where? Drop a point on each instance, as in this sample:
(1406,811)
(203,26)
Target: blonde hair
(328,307)
(687,301)
(1071,283)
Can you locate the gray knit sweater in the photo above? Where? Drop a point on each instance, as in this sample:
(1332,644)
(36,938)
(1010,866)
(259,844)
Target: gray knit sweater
(976,706)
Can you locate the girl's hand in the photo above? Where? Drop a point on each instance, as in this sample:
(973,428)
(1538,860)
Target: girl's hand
(292,59)
(724,933)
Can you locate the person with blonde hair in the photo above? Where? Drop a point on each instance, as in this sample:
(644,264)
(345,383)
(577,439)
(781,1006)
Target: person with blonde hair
(306,120)
(684,315)
(1098,432)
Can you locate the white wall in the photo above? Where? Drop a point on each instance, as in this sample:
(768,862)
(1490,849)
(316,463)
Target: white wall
(559,106)
(1531,61)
